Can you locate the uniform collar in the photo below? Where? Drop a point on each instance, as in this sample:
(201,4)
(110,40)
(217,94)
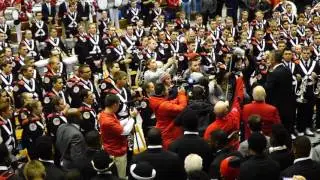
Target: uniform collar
(190,132)
(301,159)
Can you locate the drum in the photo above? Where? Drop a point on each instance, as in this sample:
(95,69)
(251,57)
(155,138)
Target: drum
(36,8)
(102,4)
(11,13)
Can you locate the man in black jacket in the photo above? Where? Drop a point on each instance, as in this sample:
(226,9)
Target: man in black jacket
(191,142)
(258,166)
(302,165)
(44,151)
(167,164)
(280,92)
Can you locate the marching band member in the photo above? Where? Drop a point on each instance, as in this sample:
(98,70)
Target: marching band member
(54,43)
(3,43)
(88,111)
(84,83)
(259,44)
(33,124)
(306,72)
(316,47)
(7,78)
(39,28)
(57,117)
(129,41)
(116,53)
(139,30)
(7,130)
(71,21)
(83,8)
(103,23)
(133,13)
(81,44)
(31,45)
(4,28)
(27,84)
(19,60)
(154,13)
(54,68)
(95,48)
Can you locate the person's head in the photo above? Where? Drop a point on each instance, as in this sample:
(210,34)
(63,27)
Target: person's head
(301,147)
(26,98)
(3,36)
(88,97)
(28,34)
(189,120)
(274,57)
(259,35)
(6,110)
(305,53)
(57,83)
(92,29)
(165,78)
(35,107)
(152,44)
(93,139)
(149,88)
(85,72)
(160,90)
(129,30)
(282,45)
(259,15)
(229,22)
(111,101)
(141,171)
(39,15)
(120,79)
(44,147)
(6,67)
(194,65)
(54,63)
(244,15)
(58,103)
(287,55)
(279,136)
(101,162)
(257,143)
(199,19)
(221,108)
(230,168)
(113,68)
(198,93)
(34,170)
(193,162)
(73,116)
(152,64)
(53,33)
(154,137)
(254,123)
(218,139)
(104,14)
(259,94)
(23,50)
(317,39)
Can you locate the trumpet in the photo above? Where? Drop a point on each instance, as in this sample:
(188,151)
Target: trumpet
(302,90)
(317,88)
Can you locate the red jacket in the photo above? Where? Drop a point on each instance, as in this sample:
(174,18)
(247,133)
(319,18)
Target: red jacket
(166,111)
(268,113)
(230,122)
(113,142)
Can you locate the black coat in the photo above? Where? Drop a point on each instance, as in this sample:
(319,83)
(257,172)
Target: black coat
(285,158)
(53,172)
(191,143)
(167,164)
(280,93)
(306,168)
(45,12)
(259,167)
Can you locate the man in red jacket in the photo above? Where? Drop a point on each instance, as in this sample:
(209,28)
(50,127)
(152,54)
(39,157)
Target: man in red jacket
(268,113)
(113,135)
(227,121)
(166,111)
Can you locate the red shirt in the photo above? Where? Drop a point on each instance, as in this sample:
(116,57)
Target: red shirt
(113,142)
(268,113)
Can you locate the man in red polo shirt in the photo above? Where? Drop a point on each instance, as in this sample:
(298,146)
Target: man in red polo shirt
(113,134)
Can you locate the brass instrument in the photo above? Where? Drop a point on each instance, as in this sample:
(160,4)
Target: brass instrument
(316,91)
(302,90)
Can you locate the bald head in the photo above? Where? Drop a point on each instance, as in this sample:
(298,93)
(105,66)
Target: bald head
(259,94)
(221,108)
